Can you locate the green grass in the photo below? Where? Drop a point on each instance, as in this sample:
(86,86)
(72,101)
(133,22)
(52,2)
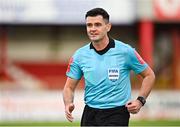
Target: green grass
(31,123)
(132,123)
(155,123)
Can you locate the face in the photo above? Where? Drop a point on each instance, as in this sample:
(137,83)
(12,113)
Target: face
(97,28)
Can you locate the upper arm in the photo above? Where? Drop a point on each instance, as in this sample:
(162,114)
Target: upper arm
(71,83)
(147,72)
(74,70)
(135,61)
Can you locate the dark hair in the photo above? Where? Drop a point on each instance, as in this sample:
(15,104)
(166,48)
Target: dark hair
(98,11)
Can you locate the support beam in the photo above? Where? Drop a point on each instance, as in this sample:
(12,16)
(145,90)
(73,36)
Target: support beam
(176,58)
(3,53)
(146,39)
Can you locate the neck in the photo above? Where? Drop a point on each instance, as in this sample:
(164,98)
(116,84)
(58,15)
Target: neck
(101,44)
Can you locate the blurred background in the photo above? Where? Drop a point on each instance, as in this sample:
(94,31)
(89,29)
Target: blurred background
(38,37)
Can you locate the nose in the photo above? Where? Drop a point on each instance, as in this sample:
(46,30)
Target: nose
(93,28)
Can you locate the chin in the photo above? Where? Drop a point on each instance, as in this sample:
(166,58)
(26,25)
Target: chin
(94,39)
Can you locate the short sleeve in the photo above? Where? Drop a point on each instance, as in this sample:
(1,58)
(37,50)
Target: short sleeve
(73,69)
(135,61)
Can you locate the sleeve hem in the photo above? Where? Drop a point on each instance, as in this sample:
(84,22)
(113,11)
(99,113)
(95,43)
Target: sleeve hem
(73,77)
(139,71)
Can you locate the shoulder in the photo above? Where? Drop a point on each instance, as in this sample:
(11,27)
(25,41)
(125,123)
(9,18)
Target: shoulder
(123,47)
(81,51)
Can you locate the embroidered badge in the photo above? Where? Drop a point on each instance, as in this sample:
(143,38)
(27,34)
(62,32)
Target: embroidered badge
(113,74)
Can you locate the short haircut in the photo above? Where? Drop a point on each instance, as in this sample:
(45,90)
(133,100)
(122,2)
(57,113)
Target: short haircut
(98,11)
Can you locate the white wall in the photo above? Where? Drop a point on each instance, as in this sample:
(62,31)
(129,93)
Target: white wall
(48,105)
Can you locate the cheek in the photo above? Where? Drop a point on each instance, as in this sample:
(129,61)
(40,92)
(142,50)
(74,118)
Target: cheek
(87,30)
(104,31)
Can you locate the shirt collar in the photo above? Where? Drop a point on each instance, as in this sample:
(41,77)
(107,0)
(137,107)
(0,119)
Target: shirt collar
(111,44)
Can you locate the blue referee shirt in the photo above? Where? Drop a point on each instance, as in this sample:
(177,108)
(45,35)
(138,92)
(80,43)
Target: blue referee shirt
(106,73)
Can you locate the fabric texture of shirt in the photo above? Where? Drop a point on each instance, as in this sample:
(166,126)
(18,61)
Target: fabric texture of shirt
(106,73)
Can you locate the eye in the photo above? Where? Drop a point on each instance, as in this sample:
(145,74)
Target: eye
(98,24)
(89,25)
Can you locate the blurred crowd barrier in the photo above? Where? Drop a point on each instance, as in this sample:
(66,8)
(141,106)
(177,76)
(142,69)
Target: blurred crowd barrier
(48,106)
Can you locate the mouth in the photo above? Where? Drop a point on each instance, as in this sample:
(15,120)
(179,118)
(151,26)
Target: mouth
(93,34)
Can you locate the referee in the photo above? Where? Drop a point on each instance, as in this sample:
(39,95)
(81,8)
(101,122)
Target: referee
(105,64)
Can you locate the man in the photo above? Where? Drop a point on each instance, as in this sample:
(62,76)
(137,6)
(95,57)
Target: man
(105,64)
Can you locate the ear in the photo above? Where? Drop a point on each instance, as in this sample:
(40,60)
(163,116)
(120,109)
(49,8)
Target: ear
(108,27)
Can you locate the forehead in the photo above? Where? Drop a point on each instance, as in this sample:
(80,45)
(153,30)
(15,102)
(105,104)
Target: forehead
(93,19)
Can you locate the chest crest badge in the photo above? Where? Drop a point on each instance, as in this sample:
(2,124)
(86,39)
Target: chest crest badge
(113,74)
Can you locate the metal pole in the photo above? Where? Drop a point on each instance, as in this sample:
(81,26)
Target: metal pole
(146,38)
(3,52)
(176,58)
